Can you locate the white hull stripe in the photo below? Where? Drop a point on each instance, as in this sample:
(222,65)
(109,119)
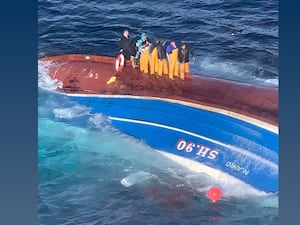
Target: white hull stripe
(233,148)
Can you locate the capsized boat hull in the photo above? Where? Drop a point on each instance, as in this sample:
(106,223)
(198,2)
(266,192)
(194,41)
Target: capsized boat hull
(226,127)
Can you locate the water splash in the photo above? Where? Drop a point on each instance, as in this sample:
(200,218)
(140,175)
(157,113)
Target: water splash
(239,71)
(44,80)
(71,113)
(137,177)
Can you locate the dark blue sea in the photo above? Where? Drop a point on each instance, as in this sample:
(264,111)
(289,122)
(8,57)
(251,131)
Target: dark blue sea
(83,160)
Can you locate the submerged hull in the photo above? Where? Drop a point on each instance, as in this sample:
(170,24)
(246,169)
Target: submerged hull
(226,128)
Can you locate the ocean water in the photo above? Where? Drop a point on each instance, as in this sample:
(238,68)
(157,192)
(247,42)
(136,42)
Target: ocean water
(89,172)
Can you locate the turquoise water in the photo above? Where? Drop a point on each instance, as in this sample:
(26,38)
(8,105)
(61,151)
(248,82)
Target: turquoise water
(83,160)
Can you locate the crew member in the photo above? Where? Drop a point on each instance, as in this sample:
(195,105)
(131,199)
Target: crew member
(183,58)
(153,57)
(143,53)
(162,58)
(133,51)
(124,44)
(172,56)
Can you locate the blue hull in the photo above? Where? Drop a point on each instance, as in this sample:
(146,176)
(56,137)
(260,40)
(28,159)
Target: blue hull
(241,147)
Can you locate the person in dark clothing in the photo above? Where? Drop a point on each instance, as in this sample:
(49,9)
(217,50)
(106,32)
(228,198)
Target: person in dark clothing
(184,52)
(153,56)
(162,57)
(161,49)
(124,44)
(132,46)
(153,44)
(133,51)
(183,58)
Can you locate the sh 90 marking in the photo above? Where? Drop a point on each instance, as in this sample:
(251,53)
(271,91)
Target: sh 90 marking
(198,149)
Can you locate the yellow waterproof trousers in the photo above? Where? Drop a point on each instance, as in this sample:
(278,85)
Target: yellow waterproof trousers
(154,62)
(146,61)
(142,62)
(165,67)
(162,67)
(173,65)
(184,68)
(176,66)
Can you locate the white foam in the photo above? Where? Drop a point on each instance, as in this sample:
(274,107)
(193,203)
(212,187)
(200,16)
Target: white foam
(72,112)
(220,67)
(269,202)
(230,186)
(135,178)
(215,67)
(271,82)
(44,80)
(97,121)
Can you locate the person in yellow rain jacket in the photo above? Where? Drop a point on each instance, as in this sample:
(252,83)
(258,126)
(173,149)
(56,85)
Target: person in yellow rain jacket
(162,58)
(183,58)
(172,56)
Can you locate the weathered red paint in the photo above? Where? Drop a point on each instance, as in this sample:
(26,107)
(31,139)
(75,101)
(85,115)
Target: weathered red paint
(89,74)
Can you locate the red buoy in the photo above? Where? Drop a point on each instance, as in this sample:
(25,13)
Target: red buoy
(214,194)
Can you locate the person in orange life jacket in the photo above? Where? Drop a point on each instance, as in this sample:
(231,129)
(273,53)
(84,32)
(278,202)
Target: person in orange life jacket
(183,58)
(119,65)
(162,57)
(172,56)
(124,44)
